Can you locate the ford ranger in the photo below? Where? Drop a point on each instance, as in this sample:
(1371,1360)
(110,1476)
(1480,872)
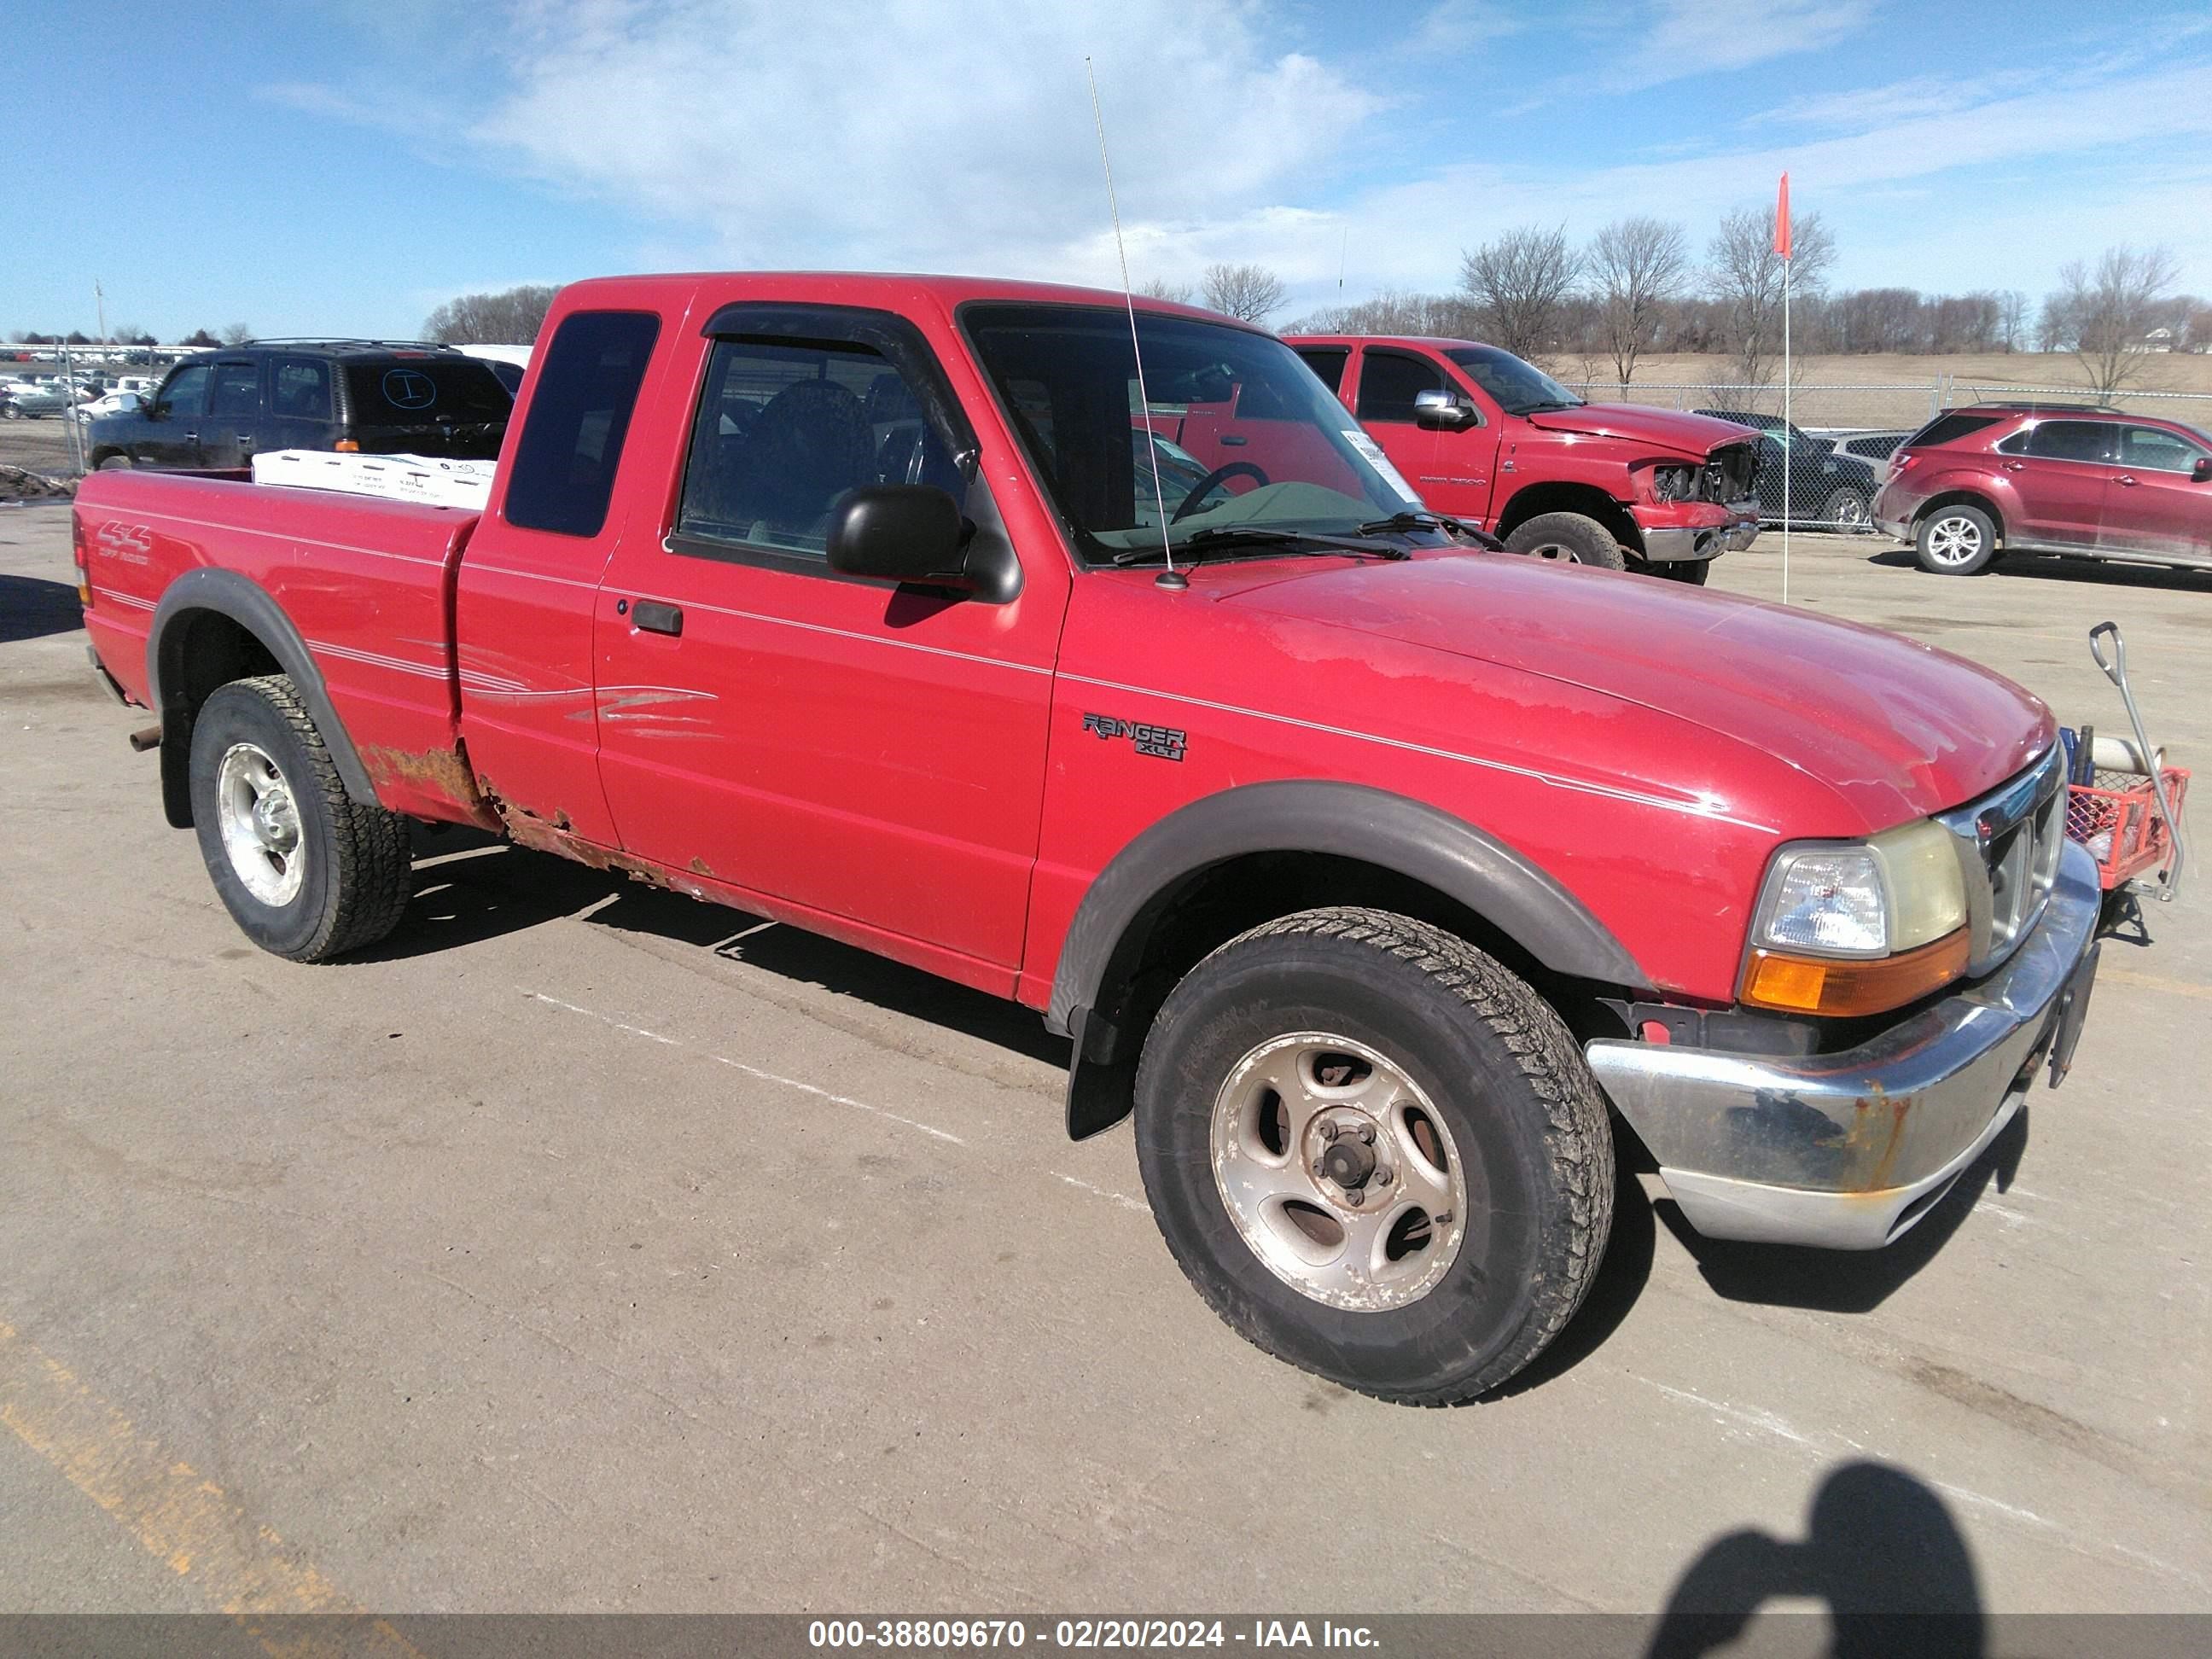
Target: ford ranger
(1368,868)
(1498,443)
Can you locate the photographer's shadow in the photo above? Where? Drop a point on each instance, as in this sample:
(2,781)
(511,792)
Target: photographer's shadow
(1880,1549)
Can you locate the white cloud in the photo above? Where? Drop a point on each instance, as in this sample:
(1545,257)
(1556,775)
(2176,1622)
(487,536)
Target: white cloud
(904,134)
(1696,37)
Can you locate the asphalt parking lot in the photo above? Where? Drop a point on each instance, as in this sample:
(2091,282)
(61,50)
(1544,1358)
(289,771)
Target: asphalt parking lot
(585,1248)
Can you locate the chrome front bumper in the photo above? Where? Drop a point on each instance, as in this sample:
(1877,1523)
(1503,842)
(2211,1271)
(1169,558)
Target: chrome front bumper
(1847,1150)
(1673,543)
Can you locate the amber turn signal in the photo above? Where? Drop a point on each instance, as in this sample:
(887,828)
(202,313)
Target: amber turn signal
(348,446)
(1816,985)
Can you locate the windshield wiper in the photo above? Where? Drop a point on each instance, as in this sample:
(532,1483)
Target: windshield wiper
(1224,537)
(1548,404)
(1425,520)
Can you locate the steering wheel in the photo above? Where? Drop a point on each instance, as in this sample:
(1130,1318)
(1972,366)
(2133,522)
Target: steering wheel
(1206,486)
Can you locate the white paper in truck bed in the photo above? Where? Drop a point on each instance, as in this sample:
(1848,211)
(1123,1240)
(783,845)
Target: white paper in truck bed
(428,479)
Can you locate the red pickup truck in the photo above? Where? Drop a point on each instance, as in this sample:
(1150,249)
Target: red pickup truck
(1364,865)
(1497,443)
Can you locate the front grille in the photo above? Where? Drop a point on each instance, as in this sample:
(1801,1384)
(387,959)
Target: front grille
(1729,475)
(2008,843)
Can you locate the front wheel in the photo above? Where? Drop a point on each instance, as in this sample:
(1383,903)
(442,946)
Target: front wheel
(1375,1154)
(1955,541)
(1569,538)
(305,871)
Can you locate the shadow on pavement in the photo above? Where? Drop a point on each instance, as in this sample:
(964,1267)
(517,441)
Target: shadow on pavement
(1847,1281)
(1621,1277)
(471,886)
(2060,567)
(30,607)
(1880,1549)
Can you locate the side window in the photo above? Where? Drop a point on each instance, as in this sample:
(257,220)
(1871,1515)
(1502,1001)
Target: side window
(2017,444)
(186,393)
(587,382)
(1389,382)
(236,392)
(2156,450)
(300,389)
(1327,361)
(2072,440)
(784,428)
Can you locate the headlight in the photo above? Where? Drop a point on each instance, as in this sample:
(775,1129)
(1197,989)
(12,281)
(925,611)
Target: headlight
(1858,927)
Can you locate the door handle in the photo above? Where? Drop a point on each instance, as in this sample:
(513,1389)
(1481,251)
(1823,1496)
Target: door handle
(2127,478)
(2015,466)
(1231,440)
(656,618)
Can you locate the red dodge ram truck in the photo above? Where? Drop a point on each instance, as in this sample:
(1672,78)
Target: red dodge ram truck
(1499,444)
(1367,866)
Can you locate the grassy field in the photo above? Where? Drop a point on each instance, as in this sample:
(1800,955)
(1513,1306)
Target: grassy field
(1850,391)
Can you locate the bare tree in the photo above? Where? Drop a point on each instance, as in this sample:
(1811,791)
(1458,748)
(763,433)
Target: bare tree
(1251,292)
(1744,276)
(1517,283)
(1158,288)
(237,334)
(1638,267)
(2012,319)
(2101,312)
(511,317)
(1392,311)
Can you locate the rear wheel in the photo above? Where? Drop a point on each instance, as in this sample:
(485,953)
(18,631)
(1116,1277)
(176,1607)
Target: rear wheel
(305,871)
(112,461)
(1375,1154)
(1570,539)
(1955,541)
(1848,510)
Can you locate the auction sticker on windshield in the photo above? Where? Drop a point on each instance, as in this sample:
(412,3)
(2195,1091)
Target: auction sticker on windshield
(1372,453)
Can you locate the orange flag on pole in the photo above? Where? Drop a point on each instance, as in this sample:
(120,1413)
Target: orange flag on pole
(1782,219)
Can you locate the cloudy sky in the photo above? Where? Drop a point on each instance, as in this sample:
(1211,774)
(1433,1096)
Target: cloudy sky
(342,167)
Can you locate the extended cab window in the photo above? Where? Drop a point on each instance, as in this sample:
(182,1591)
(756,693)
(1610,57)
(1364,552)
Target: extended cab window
(564,465)
(785,427)
(186,393)
(1390,380)
(236,393)
(1327,361)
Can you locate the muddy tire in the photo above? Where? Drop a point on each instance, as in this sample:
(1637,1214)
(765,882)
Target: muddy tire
(1955,541)
(306,872)
(113,461)
(1569,538)
(1352,1052)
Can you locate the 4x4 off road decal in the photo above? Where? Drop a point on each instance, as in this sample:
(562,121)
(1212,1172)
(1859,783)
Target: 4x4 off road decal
(1160,742)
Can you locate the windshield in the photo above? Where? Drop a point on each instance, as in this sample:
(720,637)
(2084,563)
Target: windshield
(1518,388)
(1244,437)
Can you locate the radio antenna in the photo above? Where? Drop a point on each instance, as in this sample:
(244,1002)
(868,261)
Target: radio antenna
(1171,577)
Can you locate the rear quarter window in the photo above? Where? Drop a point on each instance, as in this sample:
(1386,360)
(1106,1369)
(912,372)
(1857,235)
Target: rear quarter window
(1949,428)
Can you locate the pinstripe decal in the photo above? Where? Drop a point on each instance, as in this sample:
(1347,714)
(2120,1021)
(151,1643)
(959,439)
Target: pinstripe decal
(1708,810)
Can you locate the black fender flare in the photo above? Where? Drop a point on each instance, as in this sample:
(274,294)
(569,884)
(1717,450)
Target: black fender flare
(1523,902)
(245,602)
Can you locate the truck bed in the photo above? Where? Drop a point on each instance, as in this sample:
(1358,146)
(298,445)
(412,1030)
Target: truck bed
(368,583)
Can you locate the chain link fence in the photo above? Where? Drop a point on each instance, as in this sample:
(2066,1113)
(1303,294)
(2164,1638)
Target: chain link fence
(1839,450)
(49,396)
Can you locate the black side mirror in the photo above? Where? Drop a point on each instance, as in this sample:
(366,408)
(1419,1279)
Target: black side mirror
(1440,411)
(154,410)
(2202,471)
(902,533)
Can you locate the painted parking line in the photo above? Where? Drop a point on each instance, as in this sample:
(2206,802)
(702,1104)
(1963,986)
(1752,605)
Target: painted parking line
(181,1517)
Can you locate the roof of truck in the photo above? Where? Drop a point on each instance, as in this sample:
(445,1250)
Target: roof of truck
(888,289)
